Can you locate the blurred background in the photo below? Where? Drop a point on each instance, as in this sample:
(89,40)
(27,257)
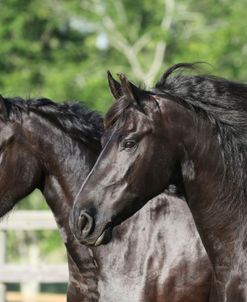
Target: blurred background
(62,49)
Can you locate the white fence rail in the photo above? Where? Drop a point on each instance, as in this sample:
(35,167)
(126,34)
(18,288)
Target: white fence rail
(14,273)
(28,221)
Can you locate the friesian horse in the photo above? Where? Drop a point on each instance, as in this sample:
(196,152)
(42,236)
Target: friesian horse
(52,147)
(190,131)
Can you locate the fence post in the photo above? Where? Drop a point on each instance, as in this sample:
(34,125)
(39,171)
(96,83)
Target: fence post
(2,261)
(31,288)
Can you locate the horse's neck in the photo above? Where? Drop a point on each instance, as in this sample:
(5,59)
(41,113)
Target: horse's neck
(60,191)
(210,197)
(66,165)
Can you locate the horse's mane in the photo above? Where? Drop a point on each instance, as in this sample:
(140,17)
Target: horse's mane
(222,102)
(73,118)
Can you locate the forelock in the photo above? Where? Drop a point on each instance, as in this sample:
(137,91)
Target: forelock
(116,111)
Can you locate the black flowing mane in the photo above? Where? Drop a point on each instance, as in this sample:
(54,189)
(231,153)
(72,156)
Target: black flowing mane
(75,119)
(223,103)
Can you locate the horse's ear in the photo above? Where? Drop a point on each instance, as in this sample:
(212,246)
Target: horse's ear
(3,109)
(115,86)
(130,90)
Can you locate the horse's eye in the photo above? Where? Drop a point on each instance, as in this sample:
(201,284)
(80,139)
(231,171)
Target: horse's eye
(128,144)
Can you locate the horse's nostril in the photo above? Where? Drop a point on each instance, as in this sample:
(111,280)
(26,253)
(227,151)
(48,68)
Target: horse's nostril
(82,222)
(85,224)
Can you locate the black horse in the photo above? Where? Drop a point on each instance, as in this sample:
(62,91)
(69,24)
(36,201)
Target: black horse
(191,131)
(53,147)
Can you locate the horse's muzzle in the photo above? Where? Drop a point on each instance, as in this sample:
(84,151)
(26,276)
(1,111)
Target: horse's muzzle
(82,225)
(84,228)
